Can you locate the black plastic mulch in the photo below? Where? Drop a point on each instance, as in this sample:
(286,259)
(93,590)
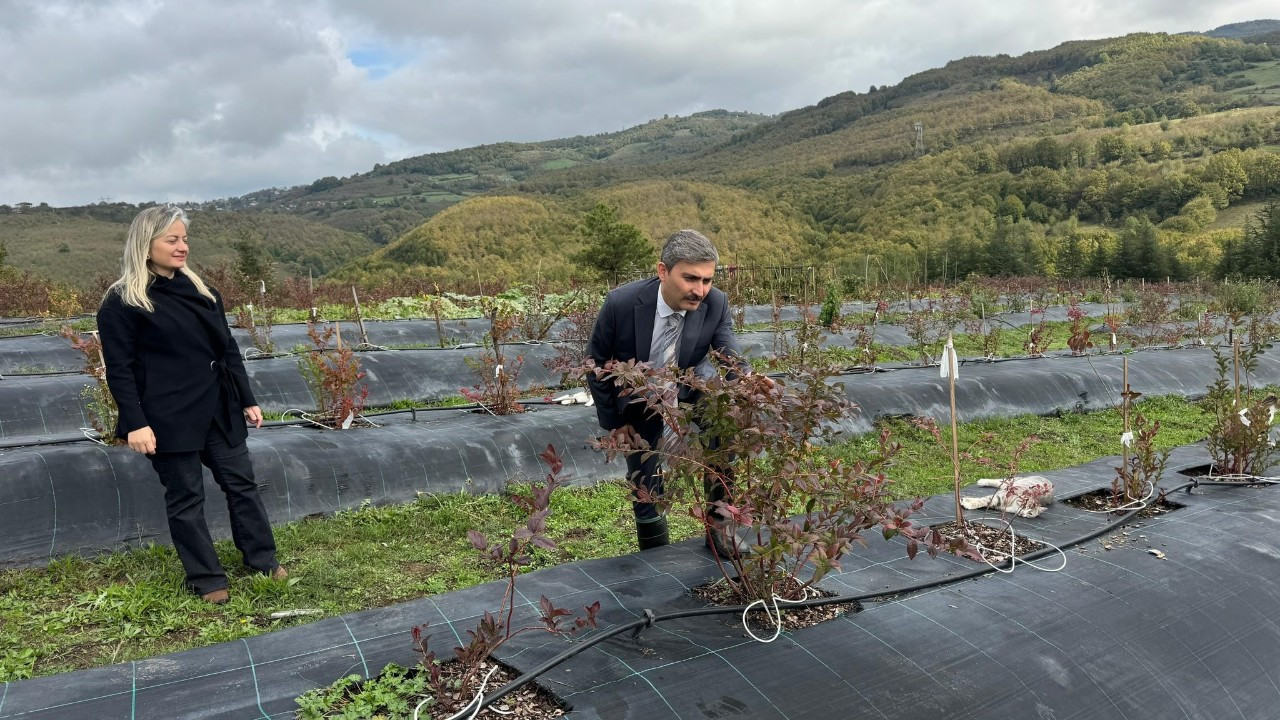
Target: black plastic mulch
(1116,634)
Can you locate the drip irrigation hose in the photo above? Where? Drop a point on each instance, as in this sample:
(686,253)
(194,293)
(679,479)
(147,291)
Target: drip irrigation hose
(650,618)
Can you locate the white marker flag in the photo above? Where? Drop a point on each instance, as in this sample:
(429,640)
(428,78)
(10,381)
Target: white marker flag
(949,367)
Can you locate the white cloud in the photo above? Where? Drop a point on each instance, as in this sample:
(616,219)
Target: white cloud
(207,98)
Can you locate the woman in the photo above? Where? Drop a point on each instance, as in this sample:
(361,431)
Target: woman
(181,387)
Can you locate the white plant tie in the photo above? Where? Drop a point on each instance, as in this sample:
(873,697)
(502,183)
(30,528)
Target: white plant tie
(262,287)
(93,435)
(1126,438)
(1114,342)
(350,418)
(775,615)
(1131,505)
(1244,416)
(497,371)
(949,366)
(1013,558)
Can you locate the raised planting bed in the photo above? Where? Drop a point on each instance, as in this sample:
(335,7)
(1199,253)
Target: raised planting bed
(85,498)
(1120,633)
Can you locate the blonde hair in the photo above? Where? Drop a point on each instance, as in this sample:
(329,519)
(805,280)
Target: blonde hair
(135,271)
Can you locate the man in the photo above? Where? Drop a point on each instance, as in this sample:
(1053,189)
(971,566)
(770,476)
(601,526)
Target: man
(676,318)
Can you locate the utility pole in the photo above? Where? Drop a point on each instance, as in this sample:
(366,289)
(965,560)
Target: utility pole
(919,139)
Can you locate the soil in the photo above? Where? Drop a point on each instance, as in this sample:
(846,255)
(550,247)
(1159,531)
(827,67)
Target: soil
(1209,472)
(530,702)
(994,541)
(721,594)
(1102,501)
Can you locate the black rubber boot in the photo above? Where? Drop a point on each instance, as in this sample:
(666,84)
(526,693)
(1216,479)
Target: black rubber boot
(652,533)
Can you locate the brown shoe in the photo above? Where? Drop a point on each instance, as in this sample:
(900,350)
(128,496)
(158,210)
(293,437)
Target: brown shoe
(279,573)
(217,597)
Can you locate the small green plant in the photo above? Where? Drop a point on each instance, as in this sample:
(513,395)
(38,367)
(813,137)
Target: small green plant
(333,375)
(354,698)
(1239,436)
(829,315)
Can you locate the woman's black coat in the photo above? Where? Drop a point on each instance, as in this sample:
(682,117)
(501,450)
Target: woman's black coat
(171,368)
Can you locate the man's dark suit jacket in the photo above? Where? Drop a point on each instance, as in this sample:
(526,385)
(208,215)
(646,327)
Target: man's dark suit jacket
(624,331)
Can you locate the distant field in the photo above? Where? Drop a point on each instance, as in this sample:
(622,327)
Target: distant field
(1266,82)
(560,164)
(1236,215)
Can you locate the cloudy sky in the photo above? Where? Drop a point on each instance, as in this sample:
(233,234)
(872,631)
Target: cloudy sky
(142,100)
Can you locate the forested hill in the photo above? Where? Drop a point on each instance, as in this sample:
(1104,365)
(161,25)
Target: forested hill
(1143,155)
(1249,29)
(1147,155)
(395,197)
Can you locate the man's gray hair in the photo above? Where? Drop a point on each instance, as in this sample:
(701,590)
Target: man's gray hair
(688,246)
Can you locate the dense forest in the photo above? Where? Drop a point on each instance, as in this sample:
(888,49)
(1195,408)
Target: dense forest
(1146,156)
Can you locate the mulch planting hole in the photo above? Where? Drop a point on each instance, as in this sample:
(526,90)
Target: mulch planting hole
(719,593)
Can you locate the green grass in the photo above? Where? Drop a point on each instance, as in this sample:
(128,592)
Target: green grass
(1236,215)
(1266,82)
(923,467)
(78,613)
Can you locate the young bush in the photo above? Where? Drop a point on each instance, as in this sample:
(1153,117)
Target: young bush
(99,402)
(1040,337)
(573,338)
(24,294)
(1079,341)
(498,389)
(864,339)
(1142,465)
(333,375)
(258,321)
(1239,436)
(755,437)
(930,326)
(396,691)
(1152,317)
(829,315)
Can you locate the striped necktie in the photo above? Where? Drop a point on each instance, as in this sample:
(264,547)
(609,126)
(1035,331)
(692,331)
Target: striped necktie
(664,354)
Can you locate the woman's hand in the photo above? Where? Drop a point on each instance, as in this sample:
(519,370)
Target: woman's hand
(253,414)
(143,440)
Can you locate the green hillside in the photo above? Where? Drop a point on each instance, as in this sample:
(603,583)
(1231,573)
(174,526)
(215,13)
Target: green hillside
(79,247)
(1140,156)
(385,202)
(1040,164)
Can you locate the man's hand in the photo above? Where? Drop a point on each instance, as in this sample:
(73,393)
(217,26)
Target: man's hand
(253,414)
(143,440)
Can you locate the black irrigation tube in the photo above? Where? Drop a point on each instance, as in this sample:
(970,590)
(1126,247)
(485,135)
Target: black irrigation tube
(650,619)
